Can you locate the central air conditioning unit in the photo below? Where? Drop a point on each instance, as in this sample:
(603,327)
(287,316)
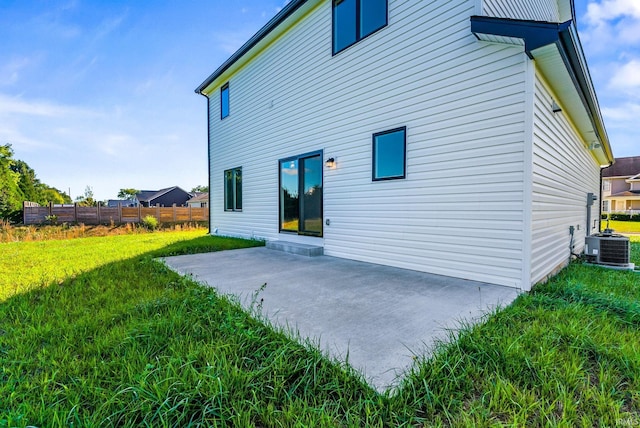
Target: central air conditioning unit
(608,249)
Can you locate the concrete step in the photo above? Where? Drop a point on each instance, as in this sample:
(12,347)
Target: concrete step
(296,248)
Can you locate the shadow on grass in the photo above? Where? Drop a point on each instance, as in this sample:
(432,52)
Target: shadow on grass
(204,244)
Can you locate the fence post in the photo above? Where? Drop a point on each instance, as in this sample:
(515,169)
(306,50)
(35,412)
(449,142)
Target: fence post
(174,213)
(98,212)
(190,215)
(119,212)
(75,212)
(158,211)
(139,213)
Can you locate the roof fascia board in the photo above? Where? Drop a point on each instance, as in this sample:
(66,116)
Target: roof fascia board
(575,61)
(536,35)
(269,27)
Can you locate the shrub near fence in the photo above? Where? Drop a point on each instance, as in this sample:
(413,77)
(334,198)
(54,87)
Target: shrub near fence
(622,217)
(36,214)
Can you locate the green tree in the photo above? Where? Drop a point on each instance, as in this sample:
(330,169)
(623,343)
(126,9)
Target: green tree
(18,183)
(200,189)
(87,200)
(31,188)
(128,193)
(55,196)
(10,194)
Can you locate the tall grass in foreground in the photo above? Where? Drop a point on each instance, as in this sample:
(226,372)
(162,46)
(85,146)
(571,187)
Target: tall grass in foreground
(129,343)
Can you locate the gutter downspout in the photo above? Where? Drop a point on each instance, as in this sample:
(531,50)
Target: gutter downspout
(600,210)
(208,154)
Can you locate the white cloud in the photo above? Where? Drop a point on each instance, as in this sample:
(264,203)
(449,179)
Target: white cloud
(612,23)
(11,133)
(612,9)
(117,144)
(109,25)
(19,106)
(10,72)
(627,112)
(231,41)
(627,76)
(151,84)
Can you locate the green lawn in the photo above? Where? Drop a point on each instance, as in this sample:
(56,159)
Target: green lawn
(622,226)
(94,332)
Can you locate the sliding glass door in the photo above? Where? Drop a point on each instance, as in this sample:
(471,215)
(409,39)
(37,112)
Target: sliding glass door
(301,194)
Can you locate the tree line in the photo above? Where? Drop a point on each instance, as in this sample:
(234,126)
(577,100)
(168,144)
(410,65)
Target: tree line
(18,183)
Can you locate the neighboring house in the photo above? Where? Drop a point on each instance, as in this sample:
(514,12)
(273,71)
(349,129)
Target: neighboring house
(163,197)
(115,203)
(199,200)
(621,186)
(458,137)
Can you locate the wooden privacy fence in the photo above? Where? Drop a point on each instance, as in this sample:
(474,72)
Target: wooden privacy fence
(72,213)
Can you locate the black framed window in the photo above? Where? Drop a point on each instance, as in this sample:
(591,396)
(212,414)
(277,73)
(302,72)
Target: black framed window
(353,20)
(224,101)
(390,154)
(233,189)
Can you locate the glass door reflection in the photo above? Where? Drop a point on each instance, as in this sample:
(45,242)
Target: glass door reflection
(311,203)
(301,194)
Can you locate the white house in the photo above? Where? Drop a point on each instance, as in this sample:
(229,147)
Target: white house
(457,137)
(199,200)
(621,186)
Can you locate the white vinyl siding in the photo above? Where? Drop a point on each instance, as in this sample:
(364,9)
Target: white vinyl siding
(563,173)
(459,212)
(535,10)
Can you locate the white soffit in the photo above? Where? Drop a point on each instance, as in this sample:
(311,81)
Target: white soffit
(500,39)
(550,63)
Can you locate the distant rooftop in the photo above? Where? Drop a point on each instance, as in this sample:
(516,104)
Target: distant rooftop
(623,167)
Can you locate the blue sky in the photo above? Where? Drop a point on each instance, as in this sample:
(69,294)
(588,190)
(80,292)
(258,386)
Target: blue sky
(101,93)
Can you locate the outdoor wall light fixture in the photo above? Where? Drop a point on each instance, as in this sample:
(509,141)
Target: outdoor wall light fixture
(594,146)
(555,107)
(330,163)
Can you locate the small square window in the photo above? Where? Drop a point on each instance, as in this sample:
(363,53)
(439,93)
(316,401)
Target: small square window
(389,154)
(233,189)
(224,101)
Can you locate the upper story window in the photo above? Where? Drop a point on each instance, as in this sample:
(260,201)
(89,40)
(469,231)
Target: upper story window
(224,101)
(606,185)
(390,154)
(353,20)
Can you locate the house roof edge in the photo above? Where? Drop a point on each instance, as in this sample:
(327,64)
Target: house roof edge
(539,34)
(286,11)
(570,41)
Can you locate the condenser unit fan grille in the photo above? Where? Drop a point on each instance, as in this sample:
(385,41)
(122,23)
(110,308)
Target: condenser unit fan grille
(614,251)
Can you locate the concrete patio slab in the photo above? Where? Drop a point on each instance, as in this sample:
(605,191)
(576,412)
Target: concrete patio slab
(379,316)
